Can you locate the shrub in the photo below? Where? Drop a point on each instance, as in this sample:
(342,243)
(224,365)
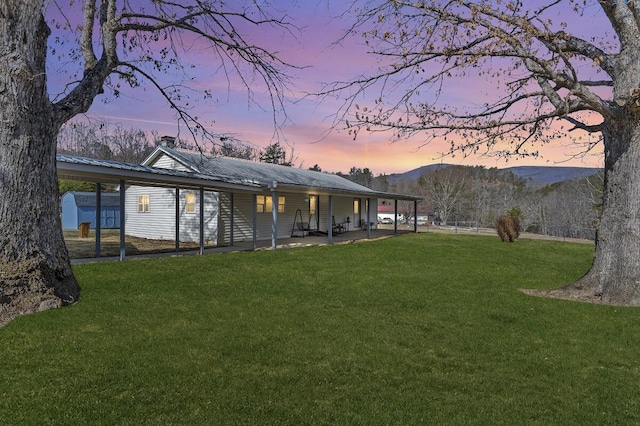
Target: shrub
(508,228)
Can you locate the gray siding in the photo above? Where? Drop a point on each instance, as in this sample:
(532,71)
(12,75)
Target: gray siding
(159,222)
(166,162)
(243,216)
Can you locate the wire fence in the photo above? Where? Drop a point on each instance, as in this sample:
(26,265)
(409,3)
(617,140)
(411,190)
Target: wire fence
(565,231)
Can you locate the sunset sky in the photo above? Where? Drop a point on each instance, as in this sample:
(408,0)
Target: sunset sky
(310,119)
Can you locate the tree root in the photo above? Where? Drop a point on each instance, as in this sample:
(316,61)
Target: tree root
(28,290)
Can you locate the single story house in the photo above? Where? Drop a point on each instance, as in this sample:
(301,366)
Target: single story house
(78,207)
(300,198)
(243,200)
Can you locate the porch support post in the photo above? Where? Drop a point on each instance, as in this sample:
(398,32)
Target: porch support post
(274,215)
(201,220)
(231,217)
(122,219)
(395,216)
(368,217)
(255,220)
(330,220)
(98,216)
(415,215)
(177,219)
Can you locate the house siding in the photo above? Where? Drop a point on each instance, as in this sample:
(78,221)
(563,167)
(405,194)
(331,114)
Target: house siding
(243,213)
(166,162)
(159,222)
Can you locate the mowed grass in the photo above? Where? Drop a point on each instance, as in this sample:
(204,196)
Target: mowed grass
(422,328)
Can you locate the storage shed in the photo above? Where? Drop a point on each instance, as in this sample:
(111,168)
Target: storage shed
(78,207)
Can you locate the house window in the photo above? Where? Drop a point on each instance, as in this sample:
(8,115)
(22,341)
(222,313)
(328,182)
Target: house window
(143,204)
(265,204)
(190,203)
(313,205)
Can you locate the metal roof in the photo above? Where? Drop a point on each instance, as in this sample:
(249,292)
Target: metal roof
(214,173)
(88,199)
(107,171)
(266,174)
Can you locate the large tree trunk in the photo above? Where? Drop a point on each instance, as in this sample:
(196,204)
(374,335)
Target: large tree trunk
(35,272)
(615,273)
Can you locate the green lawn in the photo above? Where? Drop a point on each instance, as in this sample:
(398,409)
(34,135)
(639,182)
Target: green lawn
(422,328)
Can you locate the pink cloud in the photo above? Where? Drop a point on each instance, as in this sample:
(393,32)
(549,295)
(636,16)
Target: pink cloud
(232,112)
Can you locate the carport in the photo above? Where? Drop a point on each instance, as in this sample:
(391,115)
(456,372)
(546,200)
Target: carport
(123,174)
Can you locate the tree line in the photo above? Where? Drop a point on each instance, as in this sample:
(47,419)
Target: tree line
(479,195)
(129,145)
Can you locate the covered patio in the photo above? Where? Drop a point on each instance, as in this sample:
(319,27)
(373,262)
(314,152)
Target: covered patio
(283,243)
(123,174)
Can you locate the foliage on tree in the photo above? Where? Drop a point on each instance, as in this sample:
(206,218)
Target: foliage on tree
(103,47)
(235,149)
(315,168)
(277,154)
(541,82)
(74,185)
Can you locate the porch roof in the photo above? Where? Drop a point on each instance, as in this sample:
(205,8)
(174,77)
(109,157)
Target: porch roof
(107,171)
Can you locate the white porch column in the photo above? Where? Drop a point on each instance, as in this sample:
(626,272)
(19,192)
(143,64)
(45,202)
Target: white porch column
(255,220)
(274,215)
(177,219)
(330,220)
(201,220)
(368,217)
(231,216)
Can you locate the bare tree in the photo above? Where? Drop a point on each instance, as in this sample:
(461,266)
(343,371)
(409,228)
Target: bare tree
(99,140)
(116,43)
(536,70)
(445,190)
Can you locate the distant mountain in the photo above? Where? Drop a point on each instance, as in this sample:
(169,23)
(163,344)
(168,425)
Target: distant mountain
(547,175)
(541,175)
(414,174)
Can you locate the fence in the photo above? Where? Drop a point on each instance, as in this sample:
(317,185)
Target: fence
(552,230)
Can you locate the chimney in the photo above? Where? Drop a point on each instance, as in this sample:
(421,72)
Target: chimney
(168,141)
